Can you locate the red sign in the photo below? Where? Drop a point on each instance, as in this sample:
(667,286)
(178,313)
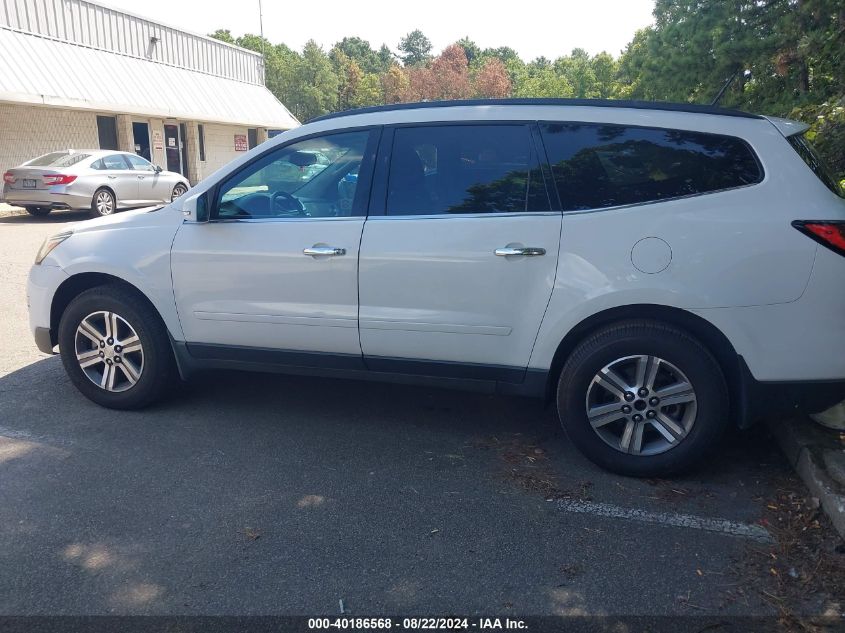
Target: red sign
(240,143)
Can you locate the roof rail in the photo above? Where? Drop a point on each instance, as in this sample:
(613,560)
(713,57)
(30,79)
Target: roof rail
(593,103)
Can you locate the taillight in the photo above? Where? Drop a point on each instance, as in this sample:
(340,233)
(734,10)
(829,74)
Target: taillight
(58,179)
(8,178)
(830,233)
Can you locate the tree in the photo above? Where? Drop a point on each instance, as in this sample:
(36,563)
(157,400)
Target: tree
(361,53)
(451,74)
(349,75)
(395,84)
(224,35)
(492,80)
(471,50)
(415,48)
(316,83)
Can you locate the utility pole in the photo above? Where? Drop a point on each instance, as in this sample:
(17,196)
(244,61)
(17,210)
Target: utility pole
(263,53)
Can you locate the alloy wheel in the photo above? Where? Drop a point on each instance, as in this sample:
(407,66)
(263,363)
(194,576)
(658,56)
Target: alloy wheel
(109,351)
(641,405)
(104,203)
(178,190)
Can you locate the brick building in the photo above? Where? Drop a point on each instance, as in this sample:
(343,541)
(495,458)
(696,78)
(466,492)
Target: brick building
(76,74)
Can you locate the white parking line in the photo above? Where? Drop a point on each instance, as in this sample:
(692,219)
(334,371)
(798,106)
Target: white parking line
(669,519)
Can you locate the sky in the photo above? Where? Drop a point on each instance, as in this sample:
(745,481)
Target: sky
(548,28)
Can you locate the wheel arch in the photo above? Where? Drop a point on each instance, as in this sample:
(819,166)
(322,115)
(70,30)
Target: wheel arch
(80,282)
(708,334)
(110,190)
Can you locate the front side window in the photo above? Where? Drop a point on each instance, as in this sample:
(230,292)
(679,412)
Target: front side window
(317,177)
(464,169)
(138,163)
(596,166)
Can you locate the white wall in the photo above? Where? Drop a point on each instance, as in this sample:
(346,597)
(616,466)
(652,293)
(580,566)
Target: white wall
(29,131)
(219,146)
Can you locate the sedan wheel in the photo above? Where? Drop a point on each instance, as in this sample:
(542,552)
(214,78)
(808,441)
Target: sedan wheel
(109,351)
(178,190)
(104,203)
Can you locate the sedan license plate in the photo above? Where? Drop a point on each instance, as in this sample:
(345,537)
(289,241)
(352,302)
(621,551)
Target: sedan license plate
(29,183)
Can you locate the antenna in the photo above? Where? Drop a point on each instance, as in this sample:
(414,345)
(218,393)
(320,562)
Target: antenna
(745,73)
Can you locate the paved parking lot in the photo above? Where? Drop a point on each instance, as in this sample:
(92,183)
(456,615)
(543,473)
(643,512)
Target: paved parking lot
(261,494)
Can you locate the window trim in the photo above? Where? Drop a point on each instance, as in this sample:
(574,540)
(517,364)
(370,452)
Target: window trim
(748,146)
(367,164)
(381,176)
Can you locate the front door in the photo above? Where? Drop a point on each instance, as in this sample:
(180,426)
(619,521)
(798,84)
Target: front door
(273,277)
(120,178)
(172,148)
(153,186)
(457,270)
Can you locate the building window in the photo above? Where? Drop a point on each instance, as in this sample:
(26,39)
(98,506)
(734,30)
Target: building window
(252,136)
(201,135)
(107,132)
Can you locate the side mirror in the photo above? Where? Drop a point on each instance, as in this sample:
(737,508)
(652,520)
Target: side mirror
(157,169)
(195,208)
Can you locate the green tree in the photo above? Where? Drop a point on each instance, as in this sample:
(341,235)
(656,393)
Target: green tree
(415,48)
(315,84)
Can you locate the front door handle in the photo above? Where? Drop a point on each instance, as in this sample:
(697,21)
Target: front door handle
(323,251)
(524,251)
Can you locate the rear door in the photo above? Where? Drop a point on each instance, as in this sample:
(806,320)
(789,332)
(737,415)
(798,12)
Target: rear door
(119,176)
(459,253)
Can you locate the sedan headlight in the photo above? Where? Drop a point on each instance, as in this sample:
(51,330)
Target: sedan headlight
(50,243)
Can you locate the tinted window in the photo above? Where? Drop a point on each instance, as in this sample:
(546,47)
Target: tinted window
(464,169)
(114,161)
(814,161)
(107,132)
(138,163)
(316,178)
(597,166)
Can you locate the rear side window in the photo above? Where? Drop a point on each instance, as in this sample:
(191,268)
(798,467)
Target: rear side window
(814,161)
(464,169)
(597,166)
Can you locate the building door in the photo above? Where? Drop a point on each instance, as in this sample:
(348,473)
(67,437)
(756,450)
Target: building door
(141,139)
(172,149)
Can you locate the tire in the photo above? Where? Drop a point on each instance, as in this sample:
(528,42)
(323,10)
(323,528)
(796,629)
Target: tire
(103,203)
(692,419)
(153,365)
(178,190)
(38,212)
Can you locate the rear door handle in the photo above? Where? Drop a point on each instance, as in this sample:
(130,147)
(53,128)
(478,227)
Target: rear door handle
(524,251)
(112,177)
(323,251)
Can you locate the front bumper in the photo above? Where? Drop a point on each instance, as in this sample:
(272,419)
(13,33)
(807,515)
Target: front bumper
(41,287)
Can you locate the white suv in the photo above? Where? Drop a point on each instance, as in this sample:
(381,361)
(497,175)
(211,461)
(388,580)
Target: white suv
(659,270)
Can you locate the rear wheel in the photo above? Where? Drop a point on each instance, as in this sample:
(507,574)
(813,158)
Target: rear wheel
(642,398)
(38,212)
(178,190)
(115,348)
(103,203)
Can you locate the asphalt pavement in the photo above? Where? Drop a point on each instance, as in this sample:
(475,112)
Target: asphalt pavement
(268,494)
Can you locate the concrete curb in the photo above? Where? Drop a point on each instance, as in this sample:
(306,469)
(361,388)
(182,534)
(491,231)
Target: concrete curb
(810,448)
(7,210)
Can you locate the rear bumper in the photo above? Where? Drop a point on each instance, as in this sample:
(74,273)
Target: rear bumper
(44,198)
(762,399)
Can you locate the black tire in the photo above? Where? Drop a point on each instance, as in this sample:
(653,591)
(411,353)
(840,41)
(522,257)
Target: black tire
(666,342)
(103,203)
(179,190)
(38,212)
(158,371)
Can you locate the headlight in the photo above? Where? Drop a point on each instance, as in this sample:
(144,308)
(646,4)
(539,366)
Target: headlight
(49,244)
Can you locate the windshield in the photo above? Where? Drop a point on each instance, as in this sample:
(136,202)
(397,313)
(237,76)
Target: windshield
(814,161)
(57,159)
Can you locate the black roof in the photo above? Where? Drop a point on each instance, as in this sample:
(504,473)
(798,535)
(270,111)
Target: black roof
(600,103)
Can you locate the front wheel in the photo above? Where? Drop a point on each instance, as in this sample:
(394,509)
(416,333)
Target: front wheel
(642,398)
(115,348)
(38,212)
(178,190)
(103,203)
